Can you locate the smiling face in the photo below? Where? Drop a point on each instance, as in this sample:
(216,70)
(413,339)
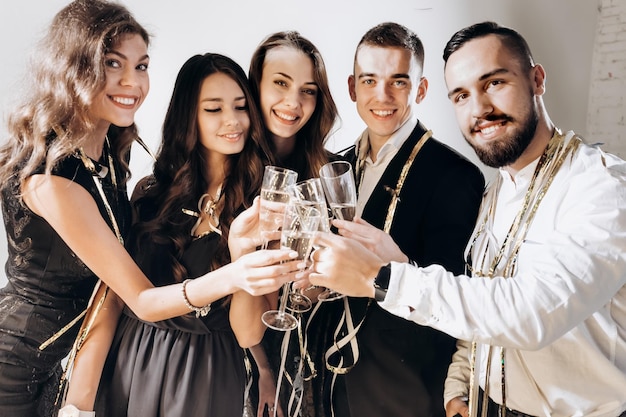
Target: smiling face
(223,120)
(495,98)
(127,83)
(386,84)
(288,92)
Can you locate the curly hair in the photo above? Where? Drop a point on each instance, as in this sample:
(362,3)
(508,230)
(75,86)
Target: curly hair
(179,174)
(68,72)
(309,153)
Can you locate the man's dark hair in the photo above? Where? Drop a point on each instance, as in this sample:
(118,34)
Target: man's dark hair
(510,38)
(394,35)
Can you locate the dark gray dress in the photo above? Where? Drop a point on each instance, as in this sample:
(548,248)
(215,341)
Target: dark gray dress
(185,366)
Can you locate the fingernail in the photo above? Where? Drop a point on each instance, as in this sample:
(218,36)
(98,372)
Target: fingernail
(293,254)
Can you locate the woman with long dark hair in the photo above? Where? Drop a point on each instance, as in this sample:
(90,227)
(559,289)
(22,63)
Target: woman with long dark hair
(208,169)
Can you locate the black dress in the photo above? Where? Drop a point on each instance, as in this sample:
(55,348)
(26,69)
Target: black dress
(185,366)
(296,387)
(48,286)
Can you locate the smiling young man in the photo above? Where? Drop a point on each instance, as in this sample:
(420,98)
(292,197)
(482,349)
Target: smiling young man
(545,306)
(418,200)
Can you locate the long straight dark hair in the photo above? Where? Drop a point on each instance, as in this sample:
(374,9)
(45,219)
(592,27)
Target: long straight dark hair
(179,174)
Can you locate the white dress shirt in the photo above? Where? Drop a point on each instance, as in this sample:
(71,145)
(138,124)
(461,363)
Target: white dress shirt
(373,171)
(562,316)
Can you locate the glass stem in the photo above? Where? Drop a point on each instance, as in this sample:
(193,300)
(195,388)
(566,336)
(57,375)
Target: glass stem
(282,306)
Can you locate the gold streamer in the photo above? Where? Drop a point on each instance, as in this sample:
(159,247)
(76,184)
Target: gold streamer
(548,166)
(391,211)
(100,290)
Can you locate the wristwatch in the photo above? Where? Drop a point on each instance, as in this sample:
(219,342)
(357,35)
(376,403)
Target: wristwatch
(71,411)
(381,282)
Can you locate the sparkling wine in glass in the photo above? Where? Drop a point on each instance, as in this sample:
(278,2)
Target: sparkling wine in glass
(312,191)
(340,190)
(343,211)
(300,223)
(337,179)
(274,198)
(309,192)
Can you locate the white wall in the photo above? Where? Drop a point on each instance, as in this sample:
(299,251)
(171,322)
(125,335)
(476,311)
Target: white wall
(606,122)
(560,33)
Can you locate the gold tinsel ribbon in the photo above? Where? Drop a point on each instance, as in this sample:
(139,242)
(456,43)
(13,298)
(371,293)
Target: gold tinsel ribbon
(391,211)
(100,290)
(548,166)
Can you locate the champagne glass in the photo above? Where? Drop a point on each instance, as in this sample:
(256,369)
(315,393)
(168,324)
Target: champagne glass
(309,192)
(274,197)
(300,223)
(337,180)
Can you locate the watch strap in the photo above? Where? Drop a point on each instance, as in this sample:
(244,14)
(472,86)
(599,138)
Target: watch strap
(381,282)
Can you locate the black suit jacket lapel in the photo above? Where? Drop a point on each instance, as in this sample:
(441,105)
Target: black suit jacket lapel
(375,210)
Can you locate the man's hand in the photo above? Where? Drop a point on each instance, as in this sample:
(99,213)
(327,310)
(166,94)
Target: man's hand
(372,238)
(344,265)
(457,406)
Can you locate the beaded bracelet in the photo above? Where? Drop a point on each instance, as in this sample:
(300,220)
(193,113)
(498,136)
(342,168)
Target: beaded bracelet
(200,311)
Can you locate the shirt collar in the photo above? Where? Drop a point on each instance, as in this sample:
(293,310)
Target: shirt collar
(522,177)
(393,144)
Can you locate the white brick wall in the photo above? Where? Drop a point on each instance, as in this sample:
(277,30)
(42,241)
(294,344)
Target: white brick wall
(606,117)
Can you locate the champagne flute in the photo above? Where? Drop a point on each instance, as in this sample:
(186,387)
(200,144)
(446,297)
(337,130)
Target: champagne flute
(300,223)
(310,192)
(274,197)
(337,179)
(340,190)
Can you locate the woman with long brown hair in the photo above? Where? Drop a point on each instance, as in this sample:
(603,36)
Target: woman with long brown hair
(290,85)
(289,82)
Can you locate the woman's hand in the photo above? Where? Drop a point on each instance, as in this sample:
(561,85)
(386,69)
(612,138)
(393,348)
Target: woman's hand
(264,271)
(267,395)
(266,384)
(244,235)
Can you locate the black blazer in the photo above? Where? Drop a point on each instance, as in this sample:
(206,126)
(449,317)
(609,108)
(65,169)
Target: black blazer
(402,366)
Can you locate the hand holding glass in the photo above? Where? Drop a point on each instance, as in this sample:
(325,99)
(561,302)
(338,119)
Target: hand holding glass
(274,197)
(311,192)
(340,190)
(300,223)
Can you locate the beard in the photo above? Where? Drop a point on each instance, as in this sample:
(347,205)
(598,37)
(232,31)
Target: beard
(507,149)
